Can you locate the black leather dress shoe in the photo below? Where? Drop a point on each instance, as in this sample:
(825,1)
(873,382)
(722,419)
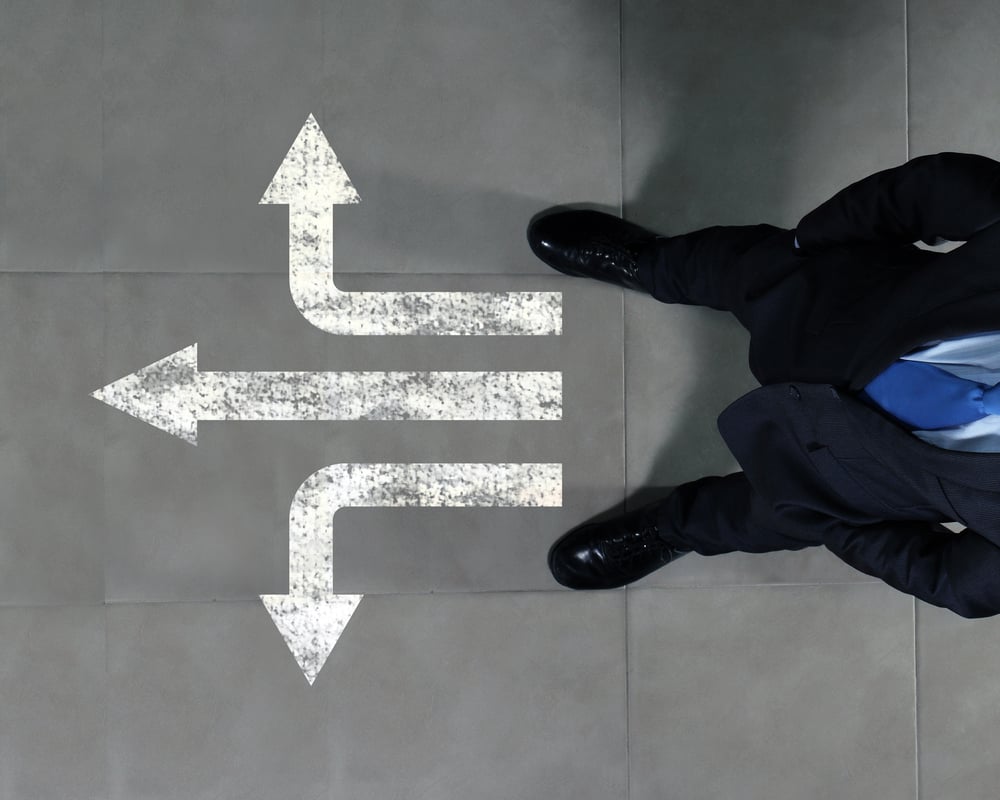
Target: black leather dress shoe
(606,555)
(591,244)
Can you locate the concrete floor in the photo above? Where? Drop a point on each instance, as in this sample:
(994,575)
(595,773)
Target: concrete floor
(138,660)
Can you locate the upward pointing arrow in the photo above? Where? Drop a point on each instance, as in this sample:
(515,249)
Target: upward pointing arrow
(311,180)
(311,175)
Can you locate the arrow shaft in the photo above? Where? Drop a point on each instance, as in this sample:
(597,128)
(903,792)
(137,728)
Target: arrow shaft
(310,531)
(310,617)
(377,395)
(310,268)
(310,255)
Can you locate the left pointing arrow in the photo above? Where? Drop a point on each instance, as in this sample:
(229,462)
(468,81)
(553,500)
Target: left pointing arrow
(171,394)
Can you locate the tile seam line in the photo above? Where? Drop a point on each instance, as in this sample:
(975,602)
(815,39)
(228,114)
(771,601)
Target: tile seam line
(594,593)
(37,271)
(103,189)
(624,304)
(906,138)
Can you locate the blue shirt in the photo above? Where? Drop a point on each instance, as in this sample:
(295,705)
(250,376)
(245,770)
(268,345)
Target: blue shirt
(975,358)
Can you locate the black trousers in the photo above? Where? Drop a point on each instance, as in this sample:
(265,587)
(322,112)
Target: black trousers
(718,514)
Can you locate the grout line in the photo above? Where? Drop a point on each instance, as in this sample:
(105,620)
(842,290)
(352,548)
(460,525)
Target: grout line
(916,689)
(628,721)
(269,273)
(103,187)
(104,335)
(916,715)
(624,590)
(621,103)
(621,202)
(322,56)
(906,78)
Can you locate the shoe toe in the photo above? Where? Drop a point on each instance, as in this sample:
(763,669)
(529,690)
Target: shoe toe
(555,237)
(547,237)
(575,563)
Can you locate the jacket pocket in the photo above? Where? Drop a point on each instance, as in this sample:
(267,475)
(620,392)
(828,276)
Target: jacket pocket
(862,482)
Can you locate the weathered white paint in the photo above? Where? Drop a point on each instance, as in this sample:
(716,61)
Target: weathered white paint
(171,394)
(311,617)
(310,181)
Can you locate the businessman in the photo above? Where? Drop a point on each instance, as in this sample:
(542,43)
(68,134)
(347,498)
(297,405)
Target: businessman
(878,414)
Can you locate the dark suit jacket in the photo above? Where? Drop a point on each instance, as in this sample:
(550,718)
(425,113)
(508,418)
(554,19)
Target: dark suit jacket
(824,322)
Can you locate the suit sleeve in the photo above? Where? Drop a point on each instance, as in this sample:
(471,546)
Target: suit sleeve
(945,196)
(957,571)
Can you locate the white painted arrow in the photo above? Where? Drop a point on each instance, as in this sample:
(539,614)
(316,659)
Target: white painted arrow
(310,181)
(311,617)
(171,394)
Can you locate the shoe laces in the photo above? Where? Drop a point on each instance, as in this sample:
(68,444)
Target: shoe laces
(623,255)
(623,549)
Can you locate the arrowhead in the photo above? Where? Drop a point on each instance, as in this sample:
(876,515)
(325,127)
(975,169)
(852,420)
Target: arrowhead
(160,394)
(311,626)
(311,173)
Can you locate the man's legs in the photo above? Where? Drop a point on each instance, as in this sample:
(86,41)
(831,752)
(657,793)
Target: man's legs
(716,515)
(706,267)
(729,268)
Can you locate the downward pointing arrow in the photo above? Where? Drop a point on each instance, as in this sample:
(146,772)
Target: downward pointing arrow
(173,395)
(310,617)
(310,181)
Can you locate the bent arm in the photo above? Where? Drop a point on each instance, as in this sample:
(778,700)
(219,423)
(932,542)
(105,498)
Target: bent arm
(945,196)
(957,571)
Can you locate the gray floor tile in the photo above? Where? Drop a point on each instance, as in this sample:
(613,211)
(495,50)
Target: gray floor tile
(211,522)
(486,696)
(201,104)
(51,439)
(737,114)
(958,706)
(433,137)
(54,732)
(772,693)
(208,521)
(50,136)
(952,45)
(206,702)
(457,121)
(956,688)
(769,76)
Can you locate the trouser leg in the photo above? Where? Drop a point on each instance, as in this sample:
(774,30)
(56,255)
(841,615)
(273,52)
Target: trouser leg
(706,267)
(716,515)
(956,571)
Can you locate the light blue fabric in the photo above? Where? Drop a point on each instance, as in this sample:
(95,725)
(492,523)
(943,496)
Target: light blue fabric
(975,358)
(927,397)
